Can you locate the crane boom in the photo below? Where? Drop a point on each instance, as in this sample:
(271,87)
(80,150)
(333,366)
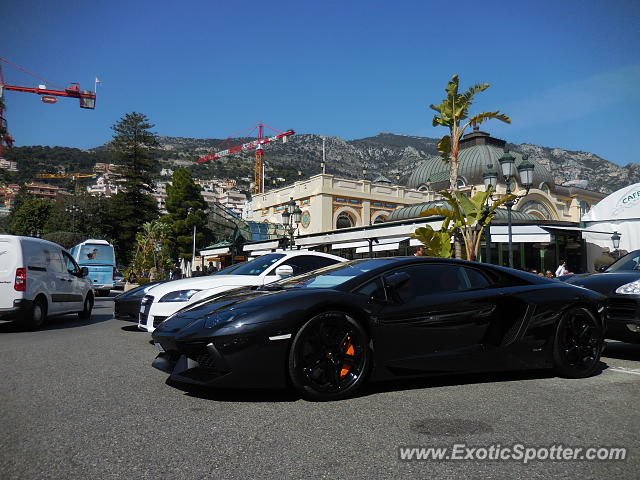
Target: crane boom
(244,147)
(87,97)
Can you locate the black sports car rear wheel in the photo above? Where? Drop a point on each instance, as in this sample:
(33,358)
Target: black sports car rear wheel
(329,357)
(578,343)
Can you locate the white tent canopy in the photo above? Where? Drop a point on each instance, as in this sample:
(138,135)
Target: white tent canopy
(619,212)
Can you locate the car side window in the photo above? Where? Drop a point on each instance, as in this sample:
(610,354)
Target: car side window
(431,279)
(306,263)
(53,261)
(373,289)
(476,279)
(72,266)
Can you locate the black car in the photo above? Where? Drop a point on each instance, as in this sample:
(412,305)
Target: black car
(127,304)
(620,282)
(329,331)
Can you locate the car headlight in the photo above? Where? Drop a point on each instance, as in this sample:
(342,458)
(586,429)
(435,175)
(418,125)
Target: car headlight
(632,288)
(179,296)
(218,319)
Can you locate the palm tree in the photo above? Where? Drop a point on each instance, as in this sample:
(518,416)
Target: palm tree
(451,112)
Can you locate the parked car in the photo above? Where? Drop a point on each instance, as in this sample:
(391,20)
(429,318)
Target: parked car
(329,331)
(620,282)
(126,306)
(164,300)
(100,259)
(39,279)
(118,280)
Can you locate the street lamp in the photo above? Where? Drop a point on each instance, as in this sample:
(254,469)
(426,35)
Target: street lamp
(508,167)
(73,211)
(291,218)
(615,239)
(193,249)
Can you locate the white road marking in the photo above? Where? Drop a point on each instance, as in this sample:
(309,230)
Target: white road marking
(632,371)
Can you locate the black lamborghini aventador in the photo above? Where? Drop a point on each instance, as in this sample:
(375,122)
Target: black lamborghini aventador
(329,331)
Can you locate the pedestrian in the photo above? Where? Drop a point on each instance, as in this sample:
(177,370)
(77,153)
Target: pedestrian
(604,260)
(196,272)
(176,273)
(211,268)
(562,268)
(419,252)
(549,274)
(133,278)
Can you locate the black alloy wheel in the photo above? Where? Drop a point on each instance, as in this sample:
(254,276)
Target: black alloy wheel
(578,343)
(330,357)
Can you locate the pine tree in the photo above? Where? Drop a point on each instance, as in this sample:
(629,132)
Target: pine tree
(133,148)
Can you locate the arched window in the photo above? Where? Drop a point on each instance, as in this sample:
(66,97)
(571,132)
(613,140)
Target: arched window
(379,219)
(344,221)
(461,182)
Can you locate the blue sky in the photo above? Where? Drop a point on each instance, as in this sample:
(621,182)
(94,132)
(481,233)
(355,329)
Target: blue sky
(566,72)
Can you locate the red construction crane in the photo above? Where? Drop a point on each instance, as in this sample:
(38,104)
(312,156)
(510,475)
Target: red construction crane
(257,144)
(87,99)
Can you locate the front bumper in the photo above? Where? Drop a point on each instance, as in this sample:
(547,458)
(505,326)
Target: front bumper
(248,360)
(20,309)
(622,313)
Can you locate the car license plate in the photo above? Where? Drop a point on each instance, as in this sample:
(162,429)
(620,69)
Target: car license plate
(159,347)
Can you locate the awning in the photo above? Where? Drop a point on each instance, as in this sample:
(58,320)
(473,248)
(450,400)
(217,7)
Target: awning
(379,248)
(519,234)
(248,247)
(214,251)
(365,243)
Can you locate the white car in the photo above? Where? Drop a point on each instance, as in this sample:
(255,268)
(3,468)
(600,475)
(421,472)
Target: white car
(167,298)
(39,279)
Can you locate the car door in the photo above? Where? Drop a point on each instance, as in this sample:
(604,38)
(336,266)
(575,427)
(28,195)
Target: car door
(78,285)
(437,320)
(60,281)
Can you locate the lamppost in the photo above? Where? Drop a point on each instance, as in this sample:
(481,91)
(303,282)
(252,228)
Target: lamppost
(73,211)
(615,239)
(190,210)
(291,218)
(507,165)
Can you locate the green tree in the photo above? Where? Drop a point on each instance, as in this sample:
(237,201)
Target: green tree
(465,216)
(31,217)
(454,110)
(152,249)
(187,208)
(133,148)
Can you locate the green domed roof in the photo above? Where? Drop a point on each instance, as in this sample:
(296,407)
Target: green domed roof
(413,211)
(477,151)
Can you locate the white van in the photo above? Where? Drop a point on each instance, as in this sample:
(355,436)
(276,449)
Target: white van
(39,278)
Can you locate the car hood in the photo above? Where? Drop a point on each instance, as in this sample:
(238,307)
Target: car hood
(205,283)
(605,283)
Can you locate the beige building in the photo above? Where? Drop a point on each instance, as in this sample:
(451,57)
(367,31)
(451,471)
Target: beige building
(330,203)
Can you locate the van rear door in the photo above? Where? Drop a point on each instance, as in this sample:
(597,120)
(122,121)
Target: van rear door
(10,260)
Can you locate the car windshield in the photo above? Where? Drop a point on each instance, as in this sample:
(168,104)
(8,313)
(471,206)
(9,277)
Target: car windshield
(629,262)
(230,269)
(258,265)
(331,276)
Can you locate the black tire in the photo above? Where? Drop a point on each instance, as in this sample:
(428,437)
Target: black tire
(37,314)
(85,314)
(330,357)
(578,343)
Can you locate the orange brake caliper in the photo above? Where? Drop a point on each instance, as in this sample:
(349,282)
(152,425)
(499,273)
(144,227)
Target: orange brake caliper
(349,351)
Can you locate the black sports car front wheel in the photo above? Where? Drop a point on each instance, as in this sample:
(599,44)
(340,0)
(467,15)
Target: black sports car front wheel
(578,343)
(330,357)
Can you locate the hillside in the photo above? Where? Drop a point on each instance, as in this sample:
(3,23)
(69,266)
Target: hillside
(390,154)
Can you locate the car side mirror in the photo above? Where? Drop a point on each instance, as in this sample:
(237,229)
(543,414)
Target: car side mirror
(284,271)
(396,280)
(84,272)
